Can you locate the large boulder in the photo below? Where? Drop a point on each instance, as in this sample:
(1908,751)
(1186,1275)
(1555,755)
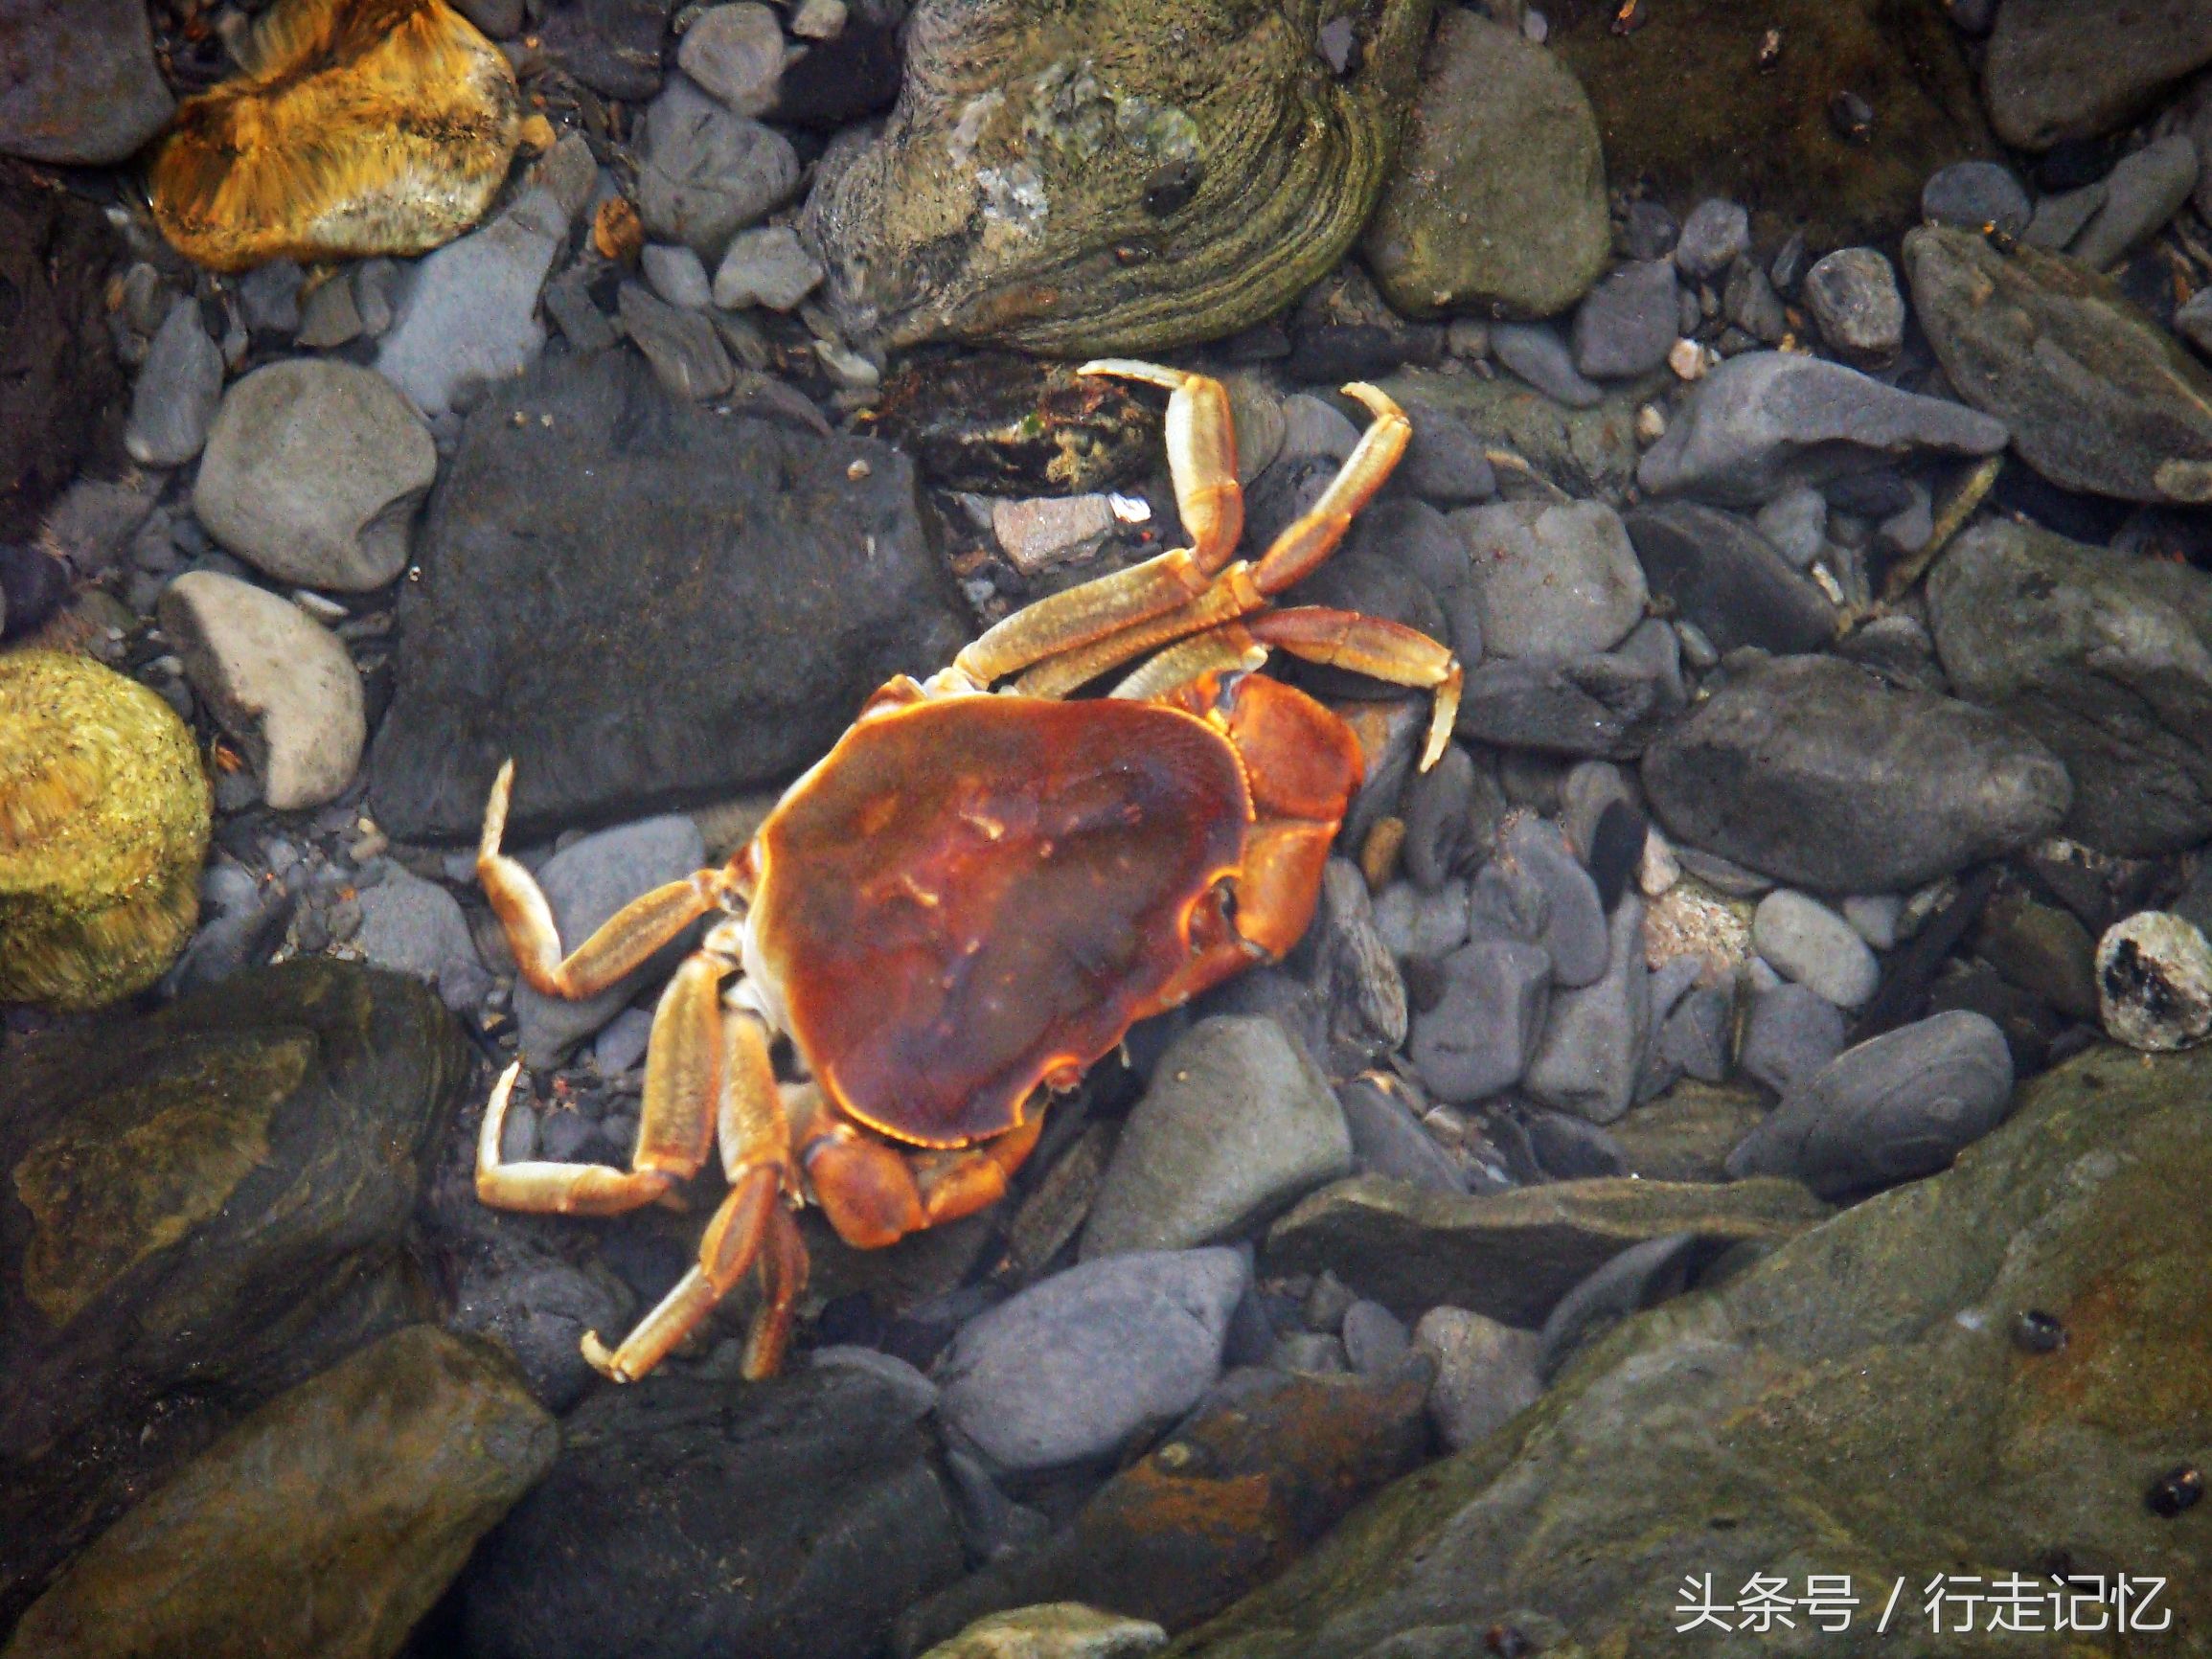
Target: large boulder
(201,1208)
(1817,773)
(2105,656)
(1113,176)
(1499,203)
(1858,1402)
(2097,396)
(325,1524)
(2060,70)
(644,604)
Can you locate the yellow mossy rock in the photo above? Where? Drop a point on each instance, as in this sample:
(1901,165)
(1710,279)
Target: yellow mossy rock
(103,826)
(357,127)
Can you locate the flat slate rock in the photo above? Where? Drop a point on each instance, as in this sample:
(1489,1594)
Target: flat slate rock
(1727,578)
(1816,773)
(646,605)
(1513,1255)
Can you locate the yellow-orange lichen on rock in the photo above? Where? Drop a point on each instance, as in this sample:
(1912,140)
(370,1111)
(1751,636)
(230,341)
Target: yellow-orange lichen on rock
(103,826)
(356,127)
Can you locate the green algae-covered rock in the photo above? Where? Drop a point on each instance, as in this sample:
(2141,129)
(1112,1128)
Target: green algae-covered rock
(198,1209)
(322,1526)
(1497,205)
(103,826)
(1855,1403)
(1082,176)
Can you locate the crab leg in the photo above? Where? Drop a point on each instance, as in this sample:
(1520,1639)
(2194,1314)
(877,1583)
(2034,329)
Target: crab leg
(1075,616)
(624,939)
(1229,649)
(1299,551)
(753,1226)
(1367,644)
(1202,455)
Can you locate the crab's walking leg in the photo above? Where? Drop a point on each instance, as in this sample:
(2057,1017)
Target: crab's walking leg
(624,941)
(752,1227)
(1302,547)
(1202,455)
(1227,649)
(1078,615)
(1367,644)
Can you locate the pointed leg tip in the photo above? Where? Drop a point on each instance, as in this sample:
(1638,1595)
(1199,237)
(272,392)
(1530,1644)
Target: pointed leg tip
(602,1358)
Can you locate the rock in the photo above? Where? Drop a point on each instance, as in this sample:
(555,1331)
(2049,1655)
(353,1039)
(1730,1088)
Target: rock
(2041,949)
(1593,1041)
(1716,234)
(103,836)
(1485,1374)
(1584,452)
(1625,325)
(1498,206)
(327,1522)
(1068,1369)
(1933,1437)
(1696,1037)
(2154,982)
(1374,1340)
(1791,1035)
(999,202)
(2142,192)
(1687,1133)
(1853,294)
(2059,71)
(1443,463)
(414,927)
(1249,1481)
(736,54)
(1675,99)
(1766,420)
(1572,930)
(469,318)
(2097,398)
(1813,772)
(1973,194)
(329,315)
(2058,218)
(1641,1276)
(1605,704)
(1039,534)
(686,354)
(278,681)
(61,391)
(313,471)
(1877,918)
(676,275)
(1052,1630)
(178,387)
(1388,1139)
(411,114)
(1236,1125)
(633,505)
(1476,1039)
(1539,354)
(1727,578)
(207,1202)
(706,172)
(1890,1109)
(1449,811)
(694,1514)
(2105,656)
(83,91)
(612,46)
(1005,425)
(768,266)
(585,883)
(1805,941)
(1552,580)
(1511,1256)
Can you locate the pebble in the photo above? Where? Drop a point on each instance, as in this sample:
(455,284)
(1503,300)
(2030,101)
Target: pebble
(686,354)
(276,680)
(1389,1139)
(1893,1109)
(736,54)
(2058,218)
(1723,575)
(765,266)
(329,316)
(1695,1038)
(1476,1040)
(1810,945)
(1539,355)
(1068,1370)
(1374,1338)
(1046,531)
(1649,231)
(1439,819)
(84,88)
(2154,982)
(469,316)
(2193,320)
(1854,297)
(1573,930)
(2141,194)
(1552,580)
(414,927)
(1593,1042)
(706,172)
(1875,917)
(678,275)
(269,296)
(178,387)
(1238,1123)
(1486,1372)
(1443,463)
(1052,1630)
(1639,1277)
(313,472)
(1414,923)
(1625,325)
(1790,1035)
(1750,303)
(1973,194)
(1713,237)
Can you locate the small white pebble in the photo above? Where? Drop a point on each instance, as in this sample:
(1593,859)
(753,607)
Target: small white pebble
(1687,359)
(857,471)
(1651,424)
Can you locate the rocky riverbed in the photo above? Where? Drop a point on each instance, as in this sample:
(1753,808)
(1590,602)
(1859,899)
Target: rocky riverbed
(1730,1150)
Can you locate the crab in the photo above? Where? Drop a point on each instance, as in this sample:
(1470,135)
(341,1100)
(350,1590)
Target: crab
(977,891)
